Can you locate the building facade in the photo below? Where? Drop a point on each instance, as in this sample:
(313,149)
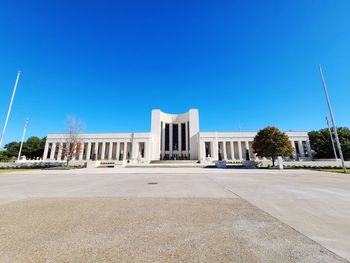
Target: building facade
(172,137)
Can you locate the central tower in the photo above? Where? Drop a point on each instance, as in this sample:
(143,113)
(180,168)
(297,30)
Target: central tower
(175,136)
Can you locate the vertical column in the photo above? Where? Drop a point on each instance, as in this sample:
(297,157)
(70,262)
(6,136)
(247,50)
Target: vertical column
(53,149)
(59,155)
(171,139)
(95,151)
(224,150)
(186,139)
(240,150)
(125,151)
(215,153)
(82,145)
(163,140)
(88,152)
(66,151)
(134,150)
(202,150)
(117,155)
(146,151)
(110,152)
(179,139)
(294,150)
(232,151)
(103,150)
(301,149)
(46,150)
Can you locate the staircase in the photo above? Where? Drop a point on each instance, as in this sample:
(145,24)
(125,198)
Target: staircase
(170,164)
(174,162)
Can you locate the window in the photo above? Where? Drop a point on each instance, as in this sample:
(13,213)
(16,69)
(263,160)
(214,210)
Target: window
(161,136)
(183,136)
(175,137)
(167,137)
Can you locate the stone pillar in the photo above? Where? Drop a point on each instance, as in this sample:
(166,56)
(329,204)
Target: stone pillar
(301,149)
(117,155)
(88,152)
(82,145)
(103,150)
(294,150)
(95,151)
(215,153)
(110,151)
(163,139)
(240,150)
(224,150)
(232,151)
(125,151)
(202,155)
(134,150)
(59,155)
(46,150)
(171,140)
(53,149)
(146,151)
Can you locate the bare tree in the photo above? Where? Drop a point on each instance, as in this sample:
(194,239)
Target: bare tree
(73,143)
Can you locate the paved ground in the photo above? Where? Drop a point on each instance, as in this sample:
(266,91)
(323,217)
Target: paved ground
(316,204)
(149,230)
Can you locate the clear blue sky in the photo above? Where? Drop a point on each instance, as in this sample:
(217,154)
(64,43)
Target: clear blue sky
(110,62)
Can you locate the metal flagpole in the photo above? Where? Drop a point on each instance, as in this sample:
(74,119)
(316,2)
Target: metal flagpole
(9,109)
(24,133)
(330,134)
(333,121)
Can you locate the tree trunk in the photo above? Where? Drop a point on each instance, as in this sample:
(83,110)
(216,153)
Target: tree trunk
(273,162)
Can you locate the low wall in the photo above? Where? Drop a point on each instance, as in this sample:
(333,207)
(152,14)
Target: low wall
(323,163)
(18,165)
(37,164)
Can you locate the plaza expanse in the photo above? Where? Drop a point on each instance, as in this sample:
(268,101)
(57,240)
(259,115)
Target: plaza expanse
(165,214)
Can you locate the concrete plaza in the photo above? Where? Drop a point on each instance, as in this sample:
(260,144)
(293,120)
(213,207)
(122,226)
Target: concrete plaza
(290,215)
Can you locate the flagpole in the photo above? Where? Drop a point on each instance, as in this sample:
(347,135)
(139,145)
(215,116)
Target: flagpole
(9,109)
(24,133)
(333,121)
(330,134)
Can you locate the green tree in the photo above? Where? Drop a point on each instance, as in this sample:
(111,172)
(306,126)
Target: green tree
(34,147)
(12,149)
(4,156)
(322,145)
(270,142)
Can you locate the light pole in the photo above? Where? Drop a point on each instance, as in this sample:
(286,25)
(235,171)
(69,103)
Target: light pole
(9,109)
(24,133)
(333,121)
(331,135)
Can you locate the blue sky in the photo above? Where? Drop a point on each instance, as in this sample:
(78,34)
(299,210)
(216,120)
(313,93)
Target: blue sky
(110,62)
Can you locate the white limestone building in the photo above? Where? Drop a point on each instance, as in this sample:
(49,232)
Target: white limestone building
(172,137)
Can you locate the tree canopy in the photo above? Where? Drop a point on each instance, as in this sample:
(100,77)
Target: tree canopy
(321,143)
(33,148)
(270,142)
